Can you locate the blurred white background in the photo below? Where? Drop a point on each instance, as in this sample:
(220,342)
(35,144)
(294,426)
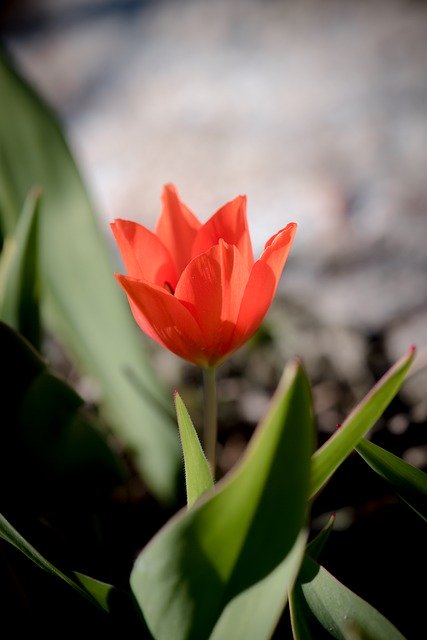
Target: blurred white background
(315,110)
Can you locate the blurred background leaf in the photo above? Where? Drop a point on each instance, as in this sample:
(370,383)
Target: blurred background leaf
(81,302)
(57,476)
(19,273)
(49,439)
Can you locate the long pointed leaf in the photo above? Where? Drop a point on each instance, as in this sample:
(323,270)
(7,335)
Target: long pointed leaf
(82,302)
(409,482)
(198,477)
(315,548)
(335,450)
(207,556)
(93,590)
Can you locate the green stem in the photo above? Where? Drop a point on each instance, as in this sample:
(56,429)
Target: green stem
(210,416)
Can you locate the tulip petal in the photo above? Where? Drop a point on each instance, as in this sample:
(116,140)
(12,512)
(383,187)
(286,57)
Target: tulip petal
(144,255)
(230,224)
(212,287)
(165,319)
(262,284)
(177,227)
(277,249)
(256,301)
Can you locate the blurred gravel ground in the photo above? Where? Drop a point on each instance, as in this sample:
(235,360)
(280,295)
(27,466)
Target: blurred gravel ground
(315,110)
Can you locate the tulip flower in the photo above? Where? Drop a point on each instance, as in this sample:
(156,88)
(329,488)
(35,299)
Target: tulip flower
(195,288)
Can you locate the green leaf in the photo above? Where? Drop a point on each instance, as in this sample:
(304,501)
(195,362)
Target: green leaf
(46,420)
(317,594)
(198,477)
(254,614)
(19,268)
(314,549)
(93,590)
(82,304)
(237,535)
(302,620)
(409,482)
(64,439)
(335,450)
(100,591)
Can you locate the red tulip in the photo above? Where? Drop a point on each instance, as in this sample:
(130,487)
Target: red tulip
(195,288)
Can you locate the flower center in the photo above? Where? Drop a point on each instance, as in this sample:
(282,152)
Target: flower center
(167,285)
